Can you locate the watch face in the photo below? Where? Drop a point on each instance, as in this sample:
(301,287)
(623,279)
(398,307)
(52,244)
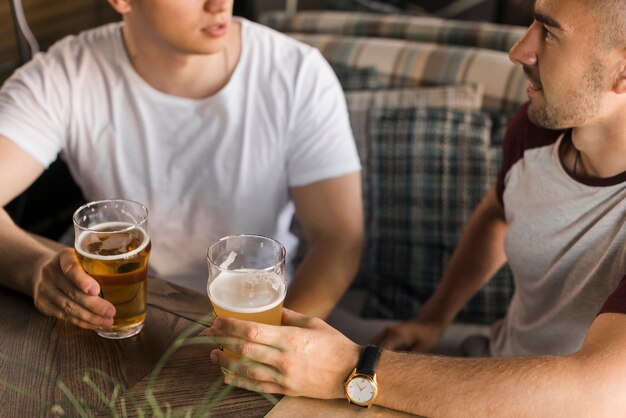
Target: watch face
(360,390)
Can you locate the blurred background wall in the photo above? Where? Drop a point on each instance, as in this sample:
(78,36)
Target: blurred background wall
(517,12)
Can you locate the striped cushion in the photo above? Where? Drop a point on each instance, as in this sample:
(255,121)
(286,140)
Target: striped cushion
(424,171)
(375,6)
(466,97)
(410,64)
(418,28)
(461,97)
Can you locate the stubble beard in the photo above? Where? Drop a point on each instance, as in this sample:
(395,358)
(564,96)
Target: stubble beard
(571,108)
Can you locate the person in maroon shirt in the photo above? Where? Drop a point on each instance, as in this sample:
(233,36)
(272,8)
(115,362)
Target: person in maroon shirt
(574,55)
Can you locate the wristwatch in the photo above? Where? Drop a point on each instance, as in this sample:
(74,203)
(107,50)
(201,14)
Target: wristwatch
(361,387)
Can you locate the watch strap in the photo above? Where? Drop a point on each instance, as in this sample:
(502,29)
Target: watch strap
(369,360)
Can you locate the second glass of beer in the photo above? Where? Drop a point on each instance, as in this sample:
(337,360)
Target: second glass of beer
(247,278)
(112,245)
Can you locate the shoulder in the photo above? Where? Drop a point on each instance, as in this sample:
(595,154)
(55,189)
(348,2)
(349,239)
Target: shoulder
(91,54)
(73,68)
(282,62)
(78,54)
(257,33)
(521,135)
(287,52)
(101,39)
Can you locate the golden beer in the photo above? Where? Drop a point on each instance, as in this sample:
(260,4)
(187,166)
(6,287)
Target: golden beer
(247,279)
(116,255)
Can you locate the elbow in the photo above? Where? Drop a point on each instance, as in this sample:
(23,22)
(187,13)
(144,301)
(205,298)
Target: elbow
(606,396)
(602,384)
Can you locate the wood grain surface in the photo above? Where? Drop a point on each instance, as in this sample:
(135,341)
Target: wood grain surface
(44,363)
(290,407)
(49,368)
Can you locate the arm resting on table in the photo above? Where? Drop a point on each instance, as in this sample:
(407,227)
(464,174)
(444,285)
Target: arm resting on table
(588,383)
(306,357)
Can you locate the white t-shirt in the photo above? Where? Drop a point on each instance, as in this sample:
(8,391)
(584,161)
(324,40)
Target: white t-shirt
(204,168)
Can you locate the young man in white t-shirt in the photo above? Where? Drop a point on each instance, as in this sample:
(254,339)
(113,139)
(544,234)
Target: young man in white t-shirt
(217,124)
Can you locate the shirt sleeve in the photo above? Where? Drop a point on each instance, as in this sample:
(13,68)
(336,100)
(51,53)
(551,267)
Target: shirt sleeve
(616,302)
(34,107)
(321,144)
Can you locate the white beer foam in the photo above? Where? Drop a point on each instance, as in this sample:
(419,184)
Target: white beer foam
(227,290)
(117,226)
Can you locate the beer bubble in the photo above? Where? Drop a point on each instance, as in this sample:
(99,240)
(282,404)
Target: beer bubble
(128,267)
(94,247)
(273,279)
(252,280)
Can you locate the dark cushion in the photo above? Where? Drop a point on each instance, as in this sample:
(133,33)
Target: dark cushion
(376,6)
(425,171)
(366,78)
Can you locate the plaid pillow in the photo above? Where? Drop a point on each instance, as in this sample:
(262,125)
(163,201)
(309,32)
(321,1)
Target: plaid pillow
(461,97)
(426,169)
(365,78)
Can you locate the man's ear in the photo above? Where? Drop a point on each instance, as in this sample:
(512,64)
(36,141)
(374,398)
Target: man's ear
(121,6)
(620,82)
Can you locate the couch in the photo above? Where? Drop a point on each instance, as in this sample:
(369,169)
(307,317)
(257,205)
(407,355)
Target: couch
(429,101)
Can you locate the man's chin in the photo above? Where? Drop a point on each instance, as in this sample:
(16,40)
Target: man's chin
(540,118)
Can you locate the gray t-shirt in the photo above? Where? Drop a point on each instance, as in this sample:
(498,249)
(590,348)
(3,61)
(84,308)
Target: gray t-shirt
(565,243)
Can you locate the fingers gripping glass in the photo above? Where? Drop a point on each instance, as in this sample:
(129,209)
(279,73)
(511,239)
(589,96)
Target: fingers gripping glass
(247,278)
(113,246)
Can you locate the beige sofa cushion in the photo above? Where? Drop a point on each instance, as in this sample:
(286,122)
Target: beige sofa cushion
(417,28)
(413,64)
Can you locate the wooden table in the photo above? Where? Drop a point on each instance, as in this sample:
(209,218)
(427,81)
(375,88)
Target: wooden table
(51,368)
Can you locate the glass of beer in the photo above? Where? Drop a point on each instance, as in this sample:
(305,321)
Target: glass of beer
(247,278)
(112,245)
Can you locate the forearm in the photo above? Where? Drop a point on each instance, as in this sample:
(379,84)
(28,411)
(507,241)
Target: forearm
(477,257)
(324,275)
(452,387)
(311,359)
(20,256)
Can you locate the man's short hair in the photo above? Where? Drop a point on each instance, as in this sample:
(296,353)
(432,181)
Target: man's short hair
(611,17)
